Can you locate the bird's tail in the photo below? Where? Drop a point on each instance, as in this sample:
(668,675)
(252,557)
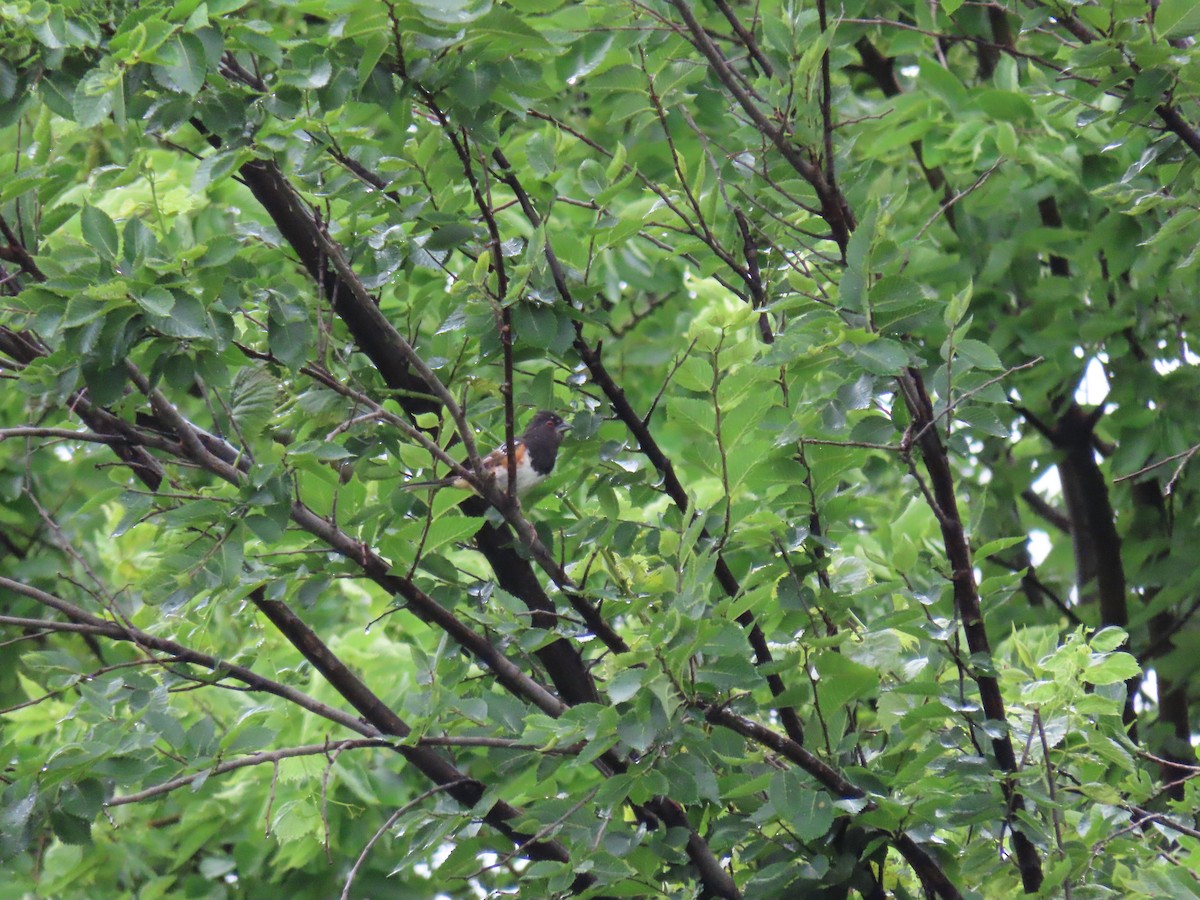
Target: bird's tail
(437,483)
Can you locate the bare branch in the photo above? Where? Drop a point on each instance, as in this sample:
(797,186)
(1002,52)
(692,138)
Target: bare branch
(254,759)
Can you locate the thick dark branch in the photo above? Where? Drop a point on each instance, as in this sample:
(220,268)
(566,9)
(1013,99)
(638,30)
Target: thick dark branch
(66,434)
(944,503)
(15,251)
(1046,511)
(1052,218)
(831,779)
(426,760)
(84,622)
(675,490)
(1175,752)
(370,328)
(826,98)
(1176,123)
(332,669)
(562,661)
(745,37)
(24,347)
(429,610)
(1002,39)
(506,672)
(1166,111)
(379,714)
(225,462)
(1099,573)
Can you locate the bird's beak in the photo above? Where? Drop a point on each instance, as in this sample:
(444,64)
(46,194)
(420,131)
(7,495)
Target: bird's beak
(562,426)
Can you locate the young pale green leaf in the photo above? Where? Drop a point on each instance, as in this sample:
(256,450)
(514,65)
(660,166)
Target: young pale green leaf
(1111,668)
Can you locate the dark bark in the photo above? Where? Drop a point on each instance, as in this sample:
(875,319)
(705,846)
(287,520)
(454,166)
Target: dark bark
(1172,739)
(882,70)
(969,609)
(1099,572)
(377,339)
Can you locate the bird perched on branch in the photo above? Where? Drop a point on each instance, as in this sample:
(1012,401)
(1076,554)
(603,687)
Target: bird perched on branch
(536,451)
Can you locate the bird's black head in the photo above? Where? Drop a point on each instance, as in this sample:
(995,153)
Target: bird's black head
(542,438)
(547,423)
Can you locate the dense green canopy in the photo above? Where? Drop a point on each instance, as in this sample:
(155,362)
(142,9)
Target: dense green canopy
(868,567)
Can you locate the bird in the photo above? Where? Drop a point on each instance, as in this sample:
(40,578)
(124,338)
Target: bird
(536,450)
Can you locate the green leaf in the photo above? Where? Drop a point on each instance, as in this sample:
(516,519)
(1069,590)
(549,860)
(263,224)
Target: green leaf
(71,829)
(957,308)
(99,231)
(1108,639)
(186,66)
(156,300)
(1111,668)
(539,150)
(1177,18)
(592,178)
(449,236)
(54,218)
(474,86)
(842,680)
(540,326)
(187,319)
(137,242)
(695,416)
(999,545)
(881,356)
(506,26)
(810,813)
(977,355)
(93,99)
(214,168)
(625,685)
(452,12)
(695,374)
(942,84)
(1007,106)
(449,529)
(982,419)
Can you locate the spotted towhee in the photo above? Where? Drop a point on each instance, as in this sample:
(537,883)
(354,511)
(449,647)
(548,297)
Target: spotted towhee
(536,450)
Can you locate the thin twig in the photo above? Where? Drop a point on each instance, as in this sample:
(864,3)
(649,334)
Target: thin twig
(391,820)
(1185,455)
(254,759)
(950,407)
(1055,813)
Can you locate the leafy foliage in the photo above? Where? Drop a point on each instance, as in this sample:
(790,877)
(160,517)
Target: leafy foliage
(865,568)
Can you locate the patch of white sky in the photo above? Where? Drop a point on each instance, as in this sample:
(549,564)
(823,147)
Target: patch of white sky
(1093,389)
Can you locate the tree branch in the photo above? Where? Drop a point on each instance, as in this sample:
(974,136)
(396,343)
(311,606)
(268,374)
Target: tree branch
(967,605)
(254,759)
